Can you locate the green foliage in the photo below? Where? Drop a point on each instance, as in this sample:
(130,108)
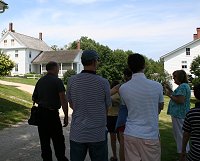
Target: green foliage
(67,75)
(195,71)
(6,65)
(113,62)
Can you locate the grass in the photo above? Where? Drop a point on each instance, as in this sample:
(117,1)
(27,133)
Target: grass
(19,80)
(14,107)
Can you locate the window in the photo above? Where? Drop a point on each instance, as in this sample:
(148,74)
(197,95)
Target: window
(16,67)
(29,68)
(16,54)
(184,66)
(12,42)
(184,62)
(30,54)
(5,42)
(187,51)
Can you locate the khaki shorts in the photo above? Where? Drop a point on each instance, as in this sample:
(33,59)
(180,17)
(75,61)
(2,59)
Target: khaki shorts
(137,149)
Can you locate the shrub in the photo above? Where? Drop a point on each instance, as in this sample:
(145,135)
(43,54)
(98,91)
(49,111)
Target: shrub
(67,75)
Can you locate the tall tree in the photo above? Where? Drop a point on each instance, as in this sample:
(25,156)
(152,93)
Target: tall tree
(6,65)
(195,70)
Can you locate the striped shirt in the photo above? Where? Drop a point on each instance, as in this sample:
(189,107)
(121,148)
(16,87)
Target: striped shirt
(142,97)
(192,126)
(90,96)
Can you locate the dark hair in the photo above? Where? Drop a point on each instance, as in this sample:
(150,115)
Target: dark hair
(136,62)
(51,65)
(197,91)
(127,72)
(181,76)
(114,83)
(87,62)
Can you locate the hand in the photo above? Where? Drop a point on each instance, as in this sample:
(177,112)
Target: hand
(115,89)
(65,121)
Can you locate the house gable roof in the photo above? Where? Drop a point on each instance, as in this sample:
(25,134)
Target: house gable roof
(30,42)
(61,56)
(182,47)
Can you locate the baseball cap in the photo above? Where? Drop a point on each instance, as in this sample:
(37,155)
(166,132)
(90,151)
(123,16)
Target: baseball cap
(88,55)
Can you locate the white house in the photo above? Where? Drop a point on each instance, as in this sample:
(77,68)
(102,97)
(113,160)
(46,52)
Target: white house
(32,54)
(182,57)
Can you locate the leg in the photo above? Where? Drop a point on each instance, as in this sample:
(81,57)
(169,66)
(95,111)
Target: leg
(98,151)
(58,140)
(150,149)
(177,125)
(113,144)
(131,149)
(45,143)
(78,151)
(121,146)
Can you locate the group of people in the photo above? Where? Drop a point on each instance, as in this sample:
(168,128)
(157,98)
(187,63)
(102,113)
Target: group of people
(128,111)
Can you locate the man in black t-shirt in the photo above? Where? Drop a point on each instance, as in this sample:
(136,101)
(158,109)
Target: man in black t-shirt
(49,94)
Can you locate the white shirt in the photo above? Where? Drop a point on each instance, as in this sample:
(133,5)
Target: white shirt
(142,97)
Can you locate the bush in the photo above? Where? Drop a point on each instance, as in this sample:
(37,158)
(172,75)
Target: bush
(67,75)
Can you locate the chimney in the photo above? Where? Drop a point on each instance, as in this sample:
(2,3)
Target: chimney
(198,32)
(78,45)
(11,27)
(195,36)
(40,36)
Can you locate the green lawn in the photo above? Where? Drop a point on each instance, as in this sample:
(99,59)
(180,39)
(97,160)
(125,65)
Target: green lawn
(19,80)
(14,105)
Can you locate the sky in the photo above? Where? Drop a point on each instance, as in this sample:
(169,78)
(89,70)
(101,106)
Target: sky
(149,27)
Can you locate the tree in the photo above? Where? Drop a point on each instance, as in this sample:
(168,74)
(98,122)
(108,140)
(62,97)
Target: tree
(6,65)
(195,70)
(67,75)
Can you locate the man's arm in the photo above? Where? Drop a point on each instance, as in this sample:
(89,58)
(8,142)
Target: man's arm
(186,137)
(64,105)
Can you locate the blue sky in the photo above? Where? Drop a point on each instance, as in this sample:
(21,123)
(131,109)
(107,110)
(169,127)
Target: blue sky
(149,27)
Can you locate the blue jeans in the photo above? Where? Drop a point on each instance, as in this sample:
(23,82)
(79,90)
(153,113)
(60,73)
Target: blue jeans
(98,151)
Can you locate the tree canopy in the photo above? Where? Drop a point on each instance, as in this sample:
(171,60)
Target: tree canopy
(195,71)
(6,65)
(113,62)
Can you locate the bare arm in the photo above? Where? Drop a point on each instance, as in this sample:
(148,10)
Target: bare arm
(186,137)
(64,105)
(177,99)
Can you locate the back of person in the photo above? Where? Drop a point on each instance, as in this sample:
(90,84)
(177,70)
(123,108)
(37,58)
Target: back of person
(142,103)
(89,112)
(48,95)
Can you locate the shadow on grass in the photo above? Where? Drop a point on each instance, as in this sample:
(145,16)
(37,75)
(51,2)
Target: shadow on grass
(168,144)
(12,112)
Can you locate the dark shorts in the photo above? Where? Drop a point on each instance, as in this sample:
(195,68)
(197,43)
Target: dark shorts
(111,123)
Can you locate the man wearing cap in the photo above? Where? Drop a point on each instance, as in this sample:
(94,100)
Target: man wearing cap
(89,97)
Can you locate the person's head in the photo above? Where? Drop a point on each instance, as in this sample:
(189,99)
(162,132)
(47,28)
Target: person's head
(114,83)
(180,77)
(127,74)
(89,58)
(136,63)
(197,91)
(52,67)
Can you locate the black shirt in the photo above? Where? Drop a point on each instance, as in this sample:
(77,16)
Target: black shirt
(46,93)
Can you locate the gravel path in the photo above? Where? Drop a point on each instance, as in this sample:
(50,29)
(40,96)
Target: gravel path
(21,142)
